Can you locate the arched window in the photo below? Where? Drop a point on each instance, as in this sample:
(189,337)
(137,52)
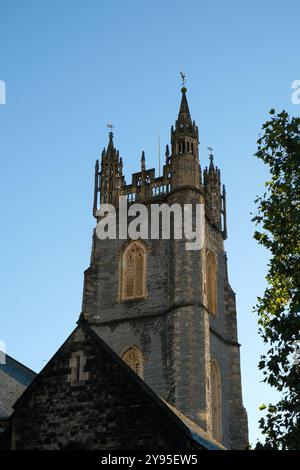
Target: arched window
(133,271)
(216,401)
(134,359)
(211,283)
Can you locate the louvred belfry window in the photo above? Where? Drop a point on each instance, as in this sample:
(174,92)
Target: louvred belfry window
(133,276)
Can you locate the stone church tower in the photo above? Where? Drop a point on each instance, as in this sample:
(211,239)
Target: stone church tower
(168,312)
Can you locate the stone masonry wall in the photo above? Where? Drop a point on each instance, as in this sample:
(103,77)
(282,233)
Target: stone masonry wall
(106,410)
(171,326)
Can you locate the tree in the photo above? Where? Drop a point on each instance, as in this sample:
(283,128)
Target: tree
(278,229)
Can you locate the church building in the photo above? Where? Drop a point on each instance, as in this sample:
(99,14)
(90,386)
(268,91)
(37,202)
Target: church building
(154,360)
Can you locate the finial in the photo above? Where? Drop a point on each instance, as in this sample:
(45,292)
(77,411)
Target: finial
(211,158)
(143,160)
(167,155)
(110,126)
(211,155)
(183,80)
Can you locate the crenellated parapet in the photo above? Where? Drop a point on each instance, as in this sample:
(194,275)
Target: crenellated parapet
(146,186)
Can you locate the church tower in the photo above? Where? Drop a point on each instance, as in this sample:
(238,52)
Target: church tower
(169,312)
(184,139)
(109,180)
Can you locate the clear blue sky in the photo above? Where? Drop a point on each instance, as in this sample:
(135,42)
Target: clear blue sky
(71,67)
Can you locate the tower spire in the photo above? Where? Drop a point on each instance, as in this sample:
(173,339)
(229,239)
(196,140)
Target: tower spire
(111,175)
(184,140)
(143,162)
(211,159)
(184,115)
(110,146)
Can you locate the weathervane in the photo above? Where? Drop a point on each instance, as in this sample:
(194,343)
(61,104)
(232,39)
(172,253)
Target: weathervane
(211,155)
(183,79)
(110,126)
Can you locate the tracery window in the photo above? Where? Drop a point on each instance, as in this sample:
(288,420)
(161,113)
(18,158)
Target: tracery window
(133,271)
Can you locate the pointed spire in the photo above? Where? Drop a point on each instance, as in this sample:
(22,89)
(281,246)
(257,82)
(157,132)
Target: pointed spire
(211,158)
(110,147)
(143,161)
(184,159)
(167,154)
(184,116)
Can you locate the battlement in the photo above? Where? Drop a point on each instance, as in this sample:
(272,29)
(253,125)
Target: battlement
(145,185)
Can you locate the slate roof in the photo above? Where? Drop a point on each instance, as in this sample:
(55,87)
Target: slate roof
(14,379)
